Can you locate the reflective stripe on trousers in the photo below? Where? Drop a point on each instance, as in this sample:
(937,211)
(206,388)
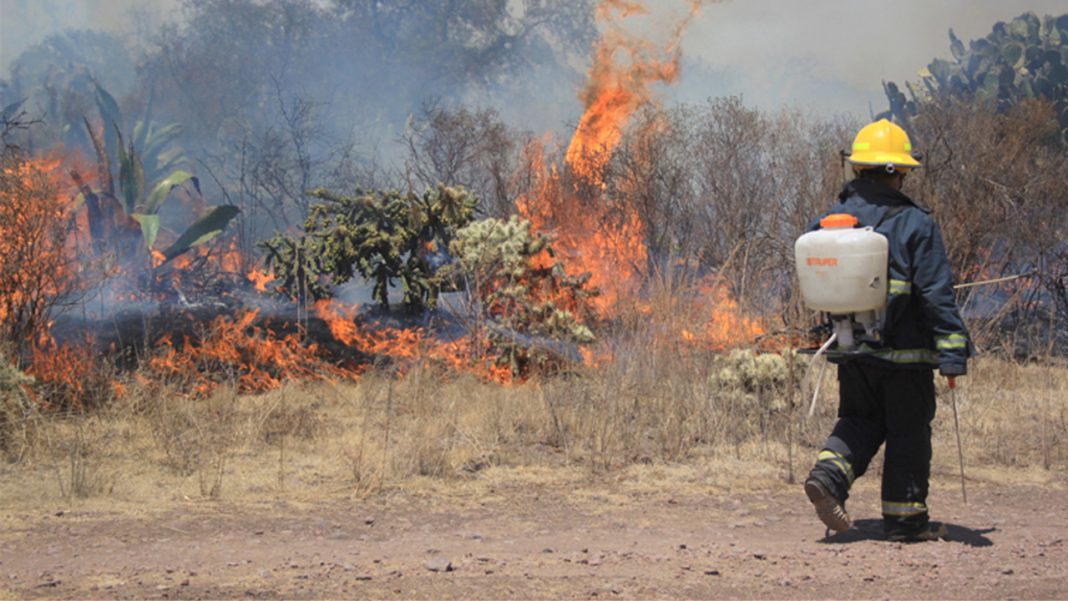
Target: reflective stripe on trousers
(896,509)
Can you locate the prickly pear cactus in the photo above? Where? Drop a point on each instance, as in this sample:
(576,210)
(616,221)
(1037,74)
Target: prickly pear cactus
(1024,58)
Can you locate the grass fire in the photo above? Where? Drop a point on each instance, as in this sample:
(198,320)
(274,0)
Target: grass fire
(507,299)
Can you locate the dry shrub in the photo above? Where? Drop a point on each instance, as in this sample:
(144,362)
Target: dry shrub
(1012,415)
(474,148)
(196,437)
(995,182)
(15,409)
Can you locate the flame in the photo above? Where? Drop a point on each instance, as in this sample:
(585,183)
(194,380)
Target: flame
(403,345)
(597,236)
(625,67)
(260,279)
(727,325)
(239,350)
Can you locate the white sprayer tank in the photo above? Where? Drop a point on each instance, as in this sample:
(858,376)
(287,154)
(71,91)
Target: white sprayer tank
(843,269)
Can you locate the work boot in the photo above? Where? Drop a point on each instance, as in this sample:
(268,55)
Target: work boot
(830,510)
(934,531)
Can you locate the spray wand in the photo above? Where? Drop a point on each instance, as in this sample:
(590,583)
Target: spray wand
(956,428)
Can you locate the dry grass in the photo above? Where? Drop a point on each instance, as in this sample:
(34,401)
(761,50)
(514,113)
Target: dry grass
(658,415)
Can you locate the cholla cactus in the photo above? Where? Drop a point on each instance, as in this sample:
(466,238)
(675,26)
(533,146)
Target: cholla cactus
(533,309)
(384,236)
(763,375)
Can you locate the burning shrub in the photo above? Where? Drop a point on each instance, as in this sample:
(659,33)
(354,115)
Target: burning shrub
(36,272)
(382,236)
(529,302)
(237,351)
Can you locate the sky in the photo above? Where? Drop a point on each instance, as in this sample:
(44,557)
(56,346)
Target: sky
(827,56)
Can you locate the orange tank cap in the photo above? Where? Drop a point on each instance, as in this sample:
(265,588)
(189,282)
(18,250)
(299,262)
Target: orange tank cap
(838,220)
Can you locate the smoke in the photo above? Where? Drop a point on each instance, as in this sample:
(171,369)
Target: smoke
(828,55)
(27,22)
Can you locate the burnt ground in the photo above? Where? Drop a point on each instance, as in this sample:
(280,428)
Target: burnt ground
(539,541)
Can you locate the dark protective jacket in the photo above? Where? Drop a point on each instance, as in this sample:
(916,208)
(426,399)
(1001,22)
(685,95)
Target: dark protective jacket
(922,326)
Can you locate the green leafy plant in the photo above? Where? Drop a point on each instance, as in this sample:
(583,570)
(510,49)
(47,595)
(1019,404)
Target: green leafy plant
(1026,58)
(385,237)
(133,223)
(529,306)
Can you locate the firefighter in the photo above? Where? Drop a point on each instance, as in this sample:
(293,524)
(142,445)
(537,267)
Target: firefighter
(887,383)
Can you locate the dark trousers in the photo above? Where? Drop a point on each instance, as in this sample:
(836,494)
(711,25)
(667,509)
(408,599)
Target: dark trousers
(882,404)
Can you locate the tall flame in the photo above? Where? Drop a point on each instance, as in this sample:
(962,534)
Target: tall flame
(596,235)
(625,68)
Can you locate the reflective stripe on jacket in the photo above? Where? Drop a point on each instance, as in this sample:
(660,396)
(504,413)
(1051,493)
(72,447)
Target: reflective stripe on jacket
(922,327)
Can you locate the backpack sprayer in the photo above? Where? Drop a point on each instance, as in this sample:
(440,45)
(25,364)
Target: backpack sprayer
(843,272)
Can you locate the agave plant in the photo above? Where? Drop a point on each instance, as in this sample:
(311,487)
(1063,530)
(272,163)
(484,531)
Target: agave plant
(134,223)
(1024,58)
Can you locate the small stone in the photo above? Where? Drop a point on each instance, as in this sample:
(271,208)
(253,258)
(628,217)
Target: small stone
(439,564)
(1007,571)
(785,582)
(548,550)
(682,546)
(712,572)
(369,520)
(760,556)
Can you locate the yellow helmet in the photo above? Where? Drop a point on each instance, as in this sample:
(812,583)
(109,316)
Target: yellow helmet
(882,144)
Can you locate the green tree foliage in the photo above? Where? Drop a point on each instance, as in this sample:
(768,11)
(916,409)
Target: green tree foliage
(527,303)
(1026,58)
(385,237)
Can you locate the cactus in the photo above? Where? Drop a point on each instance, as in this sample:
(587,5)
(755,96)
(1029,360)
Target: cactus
(1023,59)
(534,311)
(383,236)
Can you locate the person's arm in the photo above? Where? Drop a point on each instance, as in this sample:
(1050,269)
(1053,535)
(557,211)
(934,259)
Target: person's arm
(933,282)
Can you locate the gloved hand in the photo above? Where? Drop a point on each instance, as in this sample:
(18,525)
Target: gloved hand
(951,371)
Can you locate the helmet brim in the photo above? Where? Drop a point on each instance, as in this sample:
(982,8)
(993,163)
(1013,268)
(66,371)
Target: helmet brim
(882,159)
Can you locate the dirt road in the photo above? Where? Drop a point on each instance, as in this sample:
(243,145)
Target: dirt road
(531,541)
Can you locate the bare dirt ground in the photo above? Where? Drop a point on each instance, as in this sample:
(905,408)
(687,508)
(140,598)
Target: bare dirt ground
(533,540)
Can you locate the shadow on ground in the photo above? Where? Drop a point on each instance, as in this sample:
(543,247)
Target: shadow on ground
(873,530)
